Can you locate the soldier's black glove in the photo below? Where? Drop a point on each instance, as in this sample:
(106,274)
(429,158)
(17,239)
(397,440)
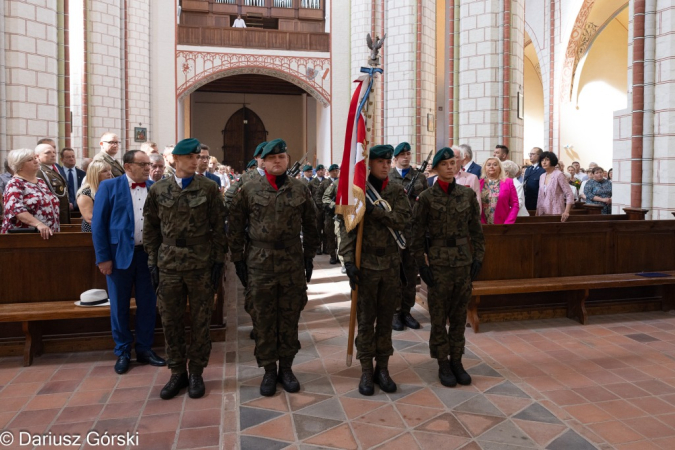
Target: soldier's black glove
(369,207)
(216,275)
(309,268)
(427,276)
(353,273)
(154,276)
(475,269)
(242,272)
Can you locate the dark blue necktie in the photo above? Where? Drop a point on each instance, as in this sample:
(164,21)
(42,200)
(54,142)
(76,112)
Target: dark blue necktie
(71,186)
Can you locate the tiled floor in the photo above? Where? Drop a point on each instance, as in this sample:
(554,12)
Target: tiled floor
(550,384)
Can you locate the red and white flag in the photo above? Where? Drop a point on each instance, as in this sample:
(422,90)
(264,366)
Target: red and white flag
(350,200)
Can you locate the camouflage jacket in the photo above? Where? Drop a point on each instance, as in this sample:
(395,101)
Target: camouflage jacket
(329,194)
(440,217)
(273,217)
(420,185)
(234,188)
(319,190)
(379,250)
(194,212)
(314,185)
(116,168)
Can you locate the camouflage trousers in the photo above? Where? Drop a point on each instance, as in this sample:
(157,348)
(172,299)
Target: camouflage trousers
(175,287)
(409,291)
(336,230)
(319,226)
(379,294)
(329,233)
(448,300)
(275,302)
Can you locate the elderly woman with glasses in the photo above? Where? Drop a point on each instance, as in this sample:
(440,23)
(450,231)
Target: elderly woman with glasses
(29,202)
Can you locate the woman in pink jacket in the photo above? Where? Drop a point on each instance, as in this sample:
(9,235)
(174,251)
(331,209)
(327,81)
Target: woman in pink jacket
(555,193)
(499,198)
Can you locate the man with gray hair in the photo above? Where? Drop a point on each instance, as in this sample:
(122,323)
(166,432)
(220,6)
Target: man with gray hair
(50,173)
(467,164)
(110,145)
(157,166)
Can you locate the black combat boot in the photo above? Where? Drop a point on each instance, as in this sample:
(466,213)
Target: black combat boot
(268,387)
(458,371)
(366,386)
(409,321)
(286,376)
(333,259)
(196,388)
(445,373)
(382,378)
(177,382)
(397,323)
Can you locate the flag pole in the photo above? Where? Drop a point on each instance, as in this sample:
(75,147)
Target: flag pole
(373,62)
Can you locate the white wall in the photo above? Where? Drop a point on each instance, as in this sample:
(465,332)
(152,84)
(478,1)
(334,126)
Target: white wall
(162,66)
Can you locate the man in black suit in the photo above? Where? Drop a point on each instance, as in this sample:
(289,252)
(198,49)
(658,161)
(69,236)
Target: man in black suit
(531,179)
(203,165)
(71,174)
(467,164)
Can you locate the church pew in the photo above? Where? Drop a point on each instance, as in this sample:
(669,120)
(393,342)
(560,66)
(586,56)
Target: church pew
(42,279)
(630,214)
(543,270)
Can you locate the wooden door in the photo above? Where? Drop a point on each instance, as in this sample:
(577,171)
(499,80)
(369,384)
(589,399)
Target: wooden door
(243,132)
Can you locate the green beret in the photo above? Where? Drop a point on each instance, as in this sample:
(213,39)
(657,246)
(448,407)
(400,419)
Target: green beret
(252,163)
(259,149)
(402,147)
(442,155)
(306,168)
(333,167)
(187,146)
(275,147)
(381,152)
(320,167)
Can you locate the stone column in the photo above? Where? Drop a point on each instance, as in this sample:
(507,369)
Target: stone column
(491,75)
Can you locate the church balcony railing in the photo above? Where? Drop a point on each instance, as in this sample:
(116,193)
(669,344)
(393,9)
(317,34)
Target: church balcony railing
(254,38)
(280,9)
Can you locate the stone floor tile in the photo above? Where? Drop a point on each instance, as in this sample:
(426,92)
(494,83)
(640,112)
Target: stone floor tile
(570,440)
(446,423)
(650,427)
(48,401)
(280,429)
(507,388)
(306,426)
(302,400)
(338,437)
(540,433)
(369,436)
(201,418)
(327,409)
(355,407)
(433,441)
(477,424)
(198,437)
(277,403)
(479,404)
(509,405)
(537,413)
(507,433)
(615,432)
(249,417)
(387,416)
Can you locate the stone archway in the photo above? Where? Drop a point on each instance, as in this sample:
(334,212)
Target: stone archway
(196,69)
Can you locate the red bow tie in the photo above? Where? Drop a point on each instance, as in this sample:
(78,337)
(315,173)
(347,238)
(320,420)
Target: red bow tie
(135,185)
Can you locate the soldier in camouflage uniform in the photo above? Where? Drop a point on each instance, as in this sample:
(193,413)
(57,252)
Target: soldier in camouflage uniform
(333,220)
(314,188)
(266,218)
(245,177)
(328,208)
(448,216)
(184,236)
(403,174)
(306,174)
(378,276)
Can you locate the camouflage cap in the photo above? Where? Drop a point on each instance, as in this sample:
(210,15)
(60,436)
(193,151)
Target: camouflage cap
(333,167)
(275,147)
(259,149)
(252,163)
(442,155)
(187,147)
(402,147)
(381,152)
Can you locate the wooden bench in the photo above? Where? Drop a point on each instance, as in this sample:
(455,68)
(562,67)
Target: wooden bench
(630,214)
(42,279)
(579,288)
(544,270)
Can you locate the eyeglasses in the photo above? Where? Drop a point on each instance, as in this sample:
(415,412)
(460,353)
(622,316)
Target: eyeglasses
(204,157)
(144,165)
(112,142)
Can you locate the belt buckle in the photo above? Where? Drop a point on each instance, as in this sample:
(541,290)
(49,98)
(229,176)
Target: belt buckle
(279,245)
(181,243)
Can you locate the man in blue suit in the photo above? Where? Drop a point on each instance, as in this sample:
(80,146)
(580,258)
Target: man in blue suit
(203,165)
(467,164)
(71,174)
(117,231)
(531,179)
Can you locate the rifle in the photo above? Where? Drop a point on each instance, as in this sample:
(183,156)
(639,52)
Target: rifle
(295,169)
(409,189)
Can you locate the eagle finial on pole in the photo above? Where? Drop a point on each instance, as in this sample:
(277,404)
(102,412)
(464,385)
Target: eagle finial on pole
(374,47)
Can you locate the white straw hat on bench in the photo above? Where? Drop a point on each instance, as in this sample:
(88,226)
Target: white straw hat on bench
(93,297)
